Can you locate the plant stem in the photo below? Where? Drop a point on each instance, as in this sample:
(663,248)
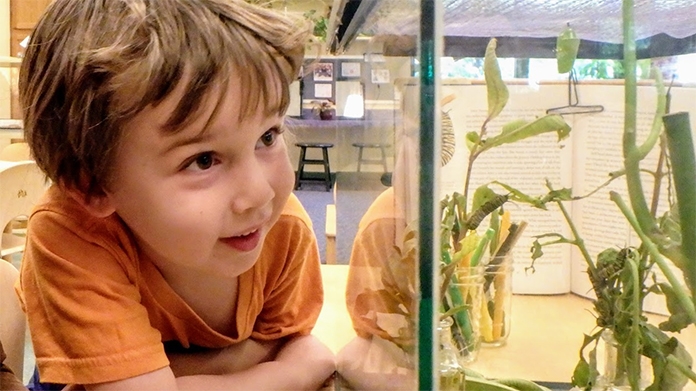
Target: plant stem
(473,154)
(577,239)
(679,291)
(688,372)
(633,345)
(630,151)
(681,149)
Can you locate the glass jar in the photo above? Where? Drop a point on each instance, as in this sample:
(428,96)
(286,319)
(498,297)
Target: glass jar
(497,301)
(451,371)
(467,294)
(611,366)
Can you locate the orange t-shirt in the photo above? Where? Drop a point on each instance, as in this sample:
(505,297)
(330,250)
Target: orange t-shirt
(98,311)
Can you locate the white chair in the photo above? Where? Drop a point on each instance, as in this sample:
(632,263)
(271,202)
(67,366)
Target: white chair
(12,320)
(16,152)
(21,185)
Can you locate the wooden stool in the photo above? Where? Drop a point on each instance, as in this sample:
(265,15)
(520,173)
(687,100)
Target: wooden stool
(303,176)
(361,160)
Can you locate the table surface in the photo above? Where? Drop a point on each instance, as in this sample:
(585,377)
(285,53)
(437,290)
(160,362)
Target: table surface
(545,336)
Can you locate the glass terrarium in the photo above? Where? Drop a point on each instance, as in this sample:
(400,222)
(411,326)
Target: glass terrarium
(541,150)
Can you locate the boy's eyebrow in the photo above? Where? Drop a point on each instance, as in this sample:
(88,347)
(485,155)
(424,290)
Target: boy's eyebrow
(180,141)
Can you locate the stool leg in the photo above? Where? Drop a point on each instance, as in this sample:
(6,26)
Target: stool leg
(360,157)
(327,168)
(384,158)
(300,168)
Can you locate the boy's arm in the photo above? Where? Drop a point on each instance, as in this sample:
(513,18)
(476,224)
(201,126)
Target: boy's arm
(302,363)
(376,364)
(234,358)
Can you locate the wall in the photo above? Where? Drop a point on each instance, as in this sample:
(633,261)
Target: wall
(5,72)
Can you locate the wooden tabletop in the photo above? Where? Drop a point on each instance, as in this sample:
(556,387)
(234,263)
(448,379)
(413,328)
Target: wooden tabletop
(545,336)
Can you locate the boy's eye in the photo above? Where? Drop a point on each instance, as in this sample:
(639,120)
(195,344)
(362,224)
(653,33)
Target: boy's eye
(202,161)
(269,138)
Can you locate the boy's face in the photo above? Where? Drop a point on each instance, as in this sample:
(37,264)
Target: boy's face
(202,201)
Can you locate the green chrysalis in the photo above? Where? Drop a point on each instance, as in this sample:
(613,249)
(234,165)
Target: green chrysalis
(567,45)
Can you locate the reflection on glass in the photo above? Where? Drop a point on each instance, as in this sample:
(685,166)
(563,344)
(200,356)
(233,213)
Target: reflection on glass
(349,99)
(381,288)
(548,318)
(354,107)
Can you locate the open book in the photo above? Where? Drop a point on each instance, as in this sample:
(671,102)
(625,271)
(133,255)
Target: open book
(581,162)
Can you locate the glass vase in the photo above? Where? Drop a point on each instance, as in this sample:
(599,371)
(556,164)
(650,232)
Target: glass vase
(452,376)
(495,319)
(612,371)
(466,294)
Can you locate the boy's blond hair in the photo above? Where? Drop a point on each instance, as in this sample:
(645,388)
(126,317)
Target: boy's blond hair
(92,65)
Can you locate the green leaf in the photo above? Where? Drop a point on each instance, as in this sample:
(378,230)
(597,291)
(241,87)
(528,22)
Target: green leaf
(522,384)
(585,373)
(536,250)
(564,194)
(477,384)
(482,195)
(455,310)
(514,125)
(667,377)
(518,196)
(678,319)
(498,94)
(581,374)
(472,140)
(545,124)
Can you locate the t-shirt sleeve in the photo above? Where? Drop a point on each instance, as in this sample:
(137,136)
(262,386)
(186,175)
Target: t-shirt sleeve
(79,288)
(293,293)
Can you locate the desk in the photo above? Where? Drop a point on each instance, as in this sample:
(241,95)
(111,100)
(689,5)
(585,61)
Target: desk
(545,337)
(10,129)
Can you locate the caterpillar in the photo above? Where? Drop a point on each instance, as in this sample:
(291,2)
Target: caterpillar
(448,141)
(476,217)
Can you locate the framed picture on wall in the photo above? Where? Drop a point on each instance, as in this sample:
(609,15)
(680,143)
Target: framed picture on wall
(350,69)
(323,90)
(323,71)
(380,76)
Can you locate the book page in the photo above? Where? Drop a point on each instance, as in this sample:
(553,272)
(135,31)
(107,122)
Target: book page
(523,165)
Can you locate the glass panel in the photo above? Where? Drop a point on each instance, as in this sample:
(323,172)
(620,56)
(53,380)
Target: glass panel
(371,209)
(561,66)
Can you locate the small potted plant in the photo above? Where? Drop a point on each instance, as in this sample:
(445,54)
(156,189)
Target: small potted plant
(325,109)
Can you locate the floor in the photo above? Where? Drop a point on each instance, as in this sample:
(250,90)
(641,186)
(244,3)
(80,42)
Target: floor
(354,194)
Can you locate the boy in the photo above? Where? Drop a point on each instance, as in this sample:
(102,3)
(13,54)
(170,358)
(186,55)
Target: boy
(169,253)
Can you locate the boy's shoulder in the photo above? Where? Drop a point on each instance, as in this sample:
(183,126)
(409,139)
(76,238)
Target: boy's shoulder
(57,212)
(294,209)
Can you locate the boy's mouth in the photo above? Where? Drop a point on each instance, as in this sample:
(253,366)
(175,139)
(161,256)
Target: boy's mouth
(245,242)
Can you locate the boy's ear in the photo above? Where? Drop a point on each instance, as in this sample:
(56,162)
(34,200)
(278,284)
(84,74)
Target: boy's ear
(97,205)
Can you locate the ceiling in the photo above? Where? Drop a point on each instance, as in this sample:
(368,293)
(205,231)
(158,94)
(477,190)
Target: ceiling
(524,28)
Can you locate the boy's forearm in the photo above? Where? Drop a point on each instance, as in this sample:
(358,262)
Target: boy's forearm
(235,358)
(302,363)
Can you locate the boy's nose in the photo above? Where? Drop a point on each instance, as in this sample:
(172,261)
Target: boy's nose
(253,188)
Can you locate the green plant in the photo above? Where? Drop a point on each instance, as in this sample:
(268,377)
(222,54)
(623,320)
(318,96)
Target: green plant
(320,24)
(462,247)
(323,107)
(621,279)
